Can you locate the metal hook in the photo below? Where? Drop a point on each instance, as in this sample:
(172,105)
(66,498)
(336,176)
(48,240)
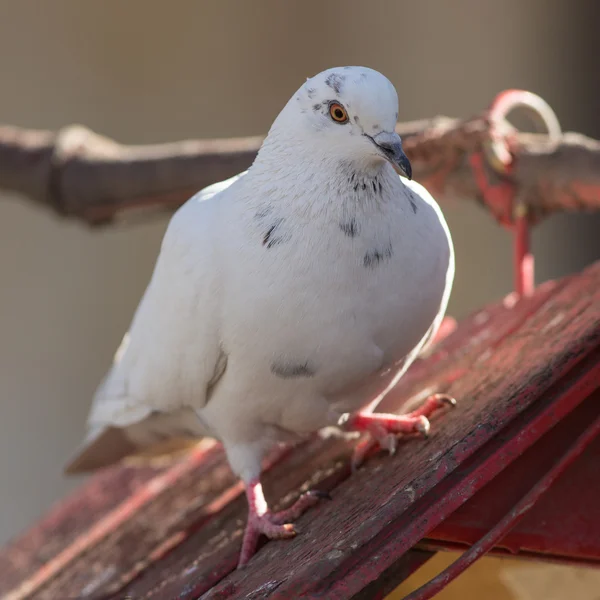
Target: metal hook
(497,151)
(501,197)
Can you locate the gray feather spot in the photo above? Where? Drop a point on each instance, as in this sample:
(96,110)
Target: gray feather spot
(263,212)
(335,82)
(375,257)
(272,237)
(220,367)
(292,370)
(310,92)
(376,127)
(413,204)
(356,119)
(317,107)
(350,228)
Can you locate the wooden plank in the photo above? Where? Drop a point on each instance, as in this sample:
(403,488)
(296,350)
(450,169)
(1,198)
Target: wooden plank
(505,361)
(563,526)
(353,540)
(113,548)
(207,556)
(64,522)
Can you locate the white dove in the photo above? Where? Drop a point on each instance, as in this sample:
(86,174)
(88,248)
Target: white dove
(285,299)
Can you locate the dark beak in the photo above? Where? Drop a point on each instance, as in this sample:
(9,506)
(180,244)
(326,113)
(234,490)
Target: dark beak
(390,146)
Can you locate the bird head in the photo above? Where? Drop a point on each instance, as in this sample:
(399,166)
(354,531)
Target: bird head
(349,113)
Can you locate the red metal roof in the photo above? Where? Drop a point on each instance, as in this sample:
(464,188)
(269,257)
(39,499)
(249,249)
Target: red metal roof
(521,373)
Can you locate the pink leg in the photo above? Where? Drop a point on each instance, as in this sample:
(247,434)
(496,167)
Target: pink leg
(274,525)
(382,428)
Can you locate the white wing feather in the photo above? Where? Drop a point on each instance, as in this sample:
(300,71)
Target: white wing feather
(171,354)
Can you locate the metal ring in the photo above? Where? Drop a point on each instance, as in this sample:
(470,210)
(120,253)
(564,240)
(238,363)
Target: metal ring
(544,118)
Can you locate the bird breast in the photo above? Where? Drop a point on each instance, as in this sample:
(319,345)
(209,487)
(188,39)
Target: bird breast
(330,301)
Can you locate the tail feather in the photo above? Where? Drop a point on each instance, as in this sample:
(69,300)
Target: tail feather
(107,448)
(156,436)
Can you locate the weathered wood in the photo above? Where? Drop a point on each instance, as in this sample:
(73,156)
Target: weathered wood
(563,526)
(62,524)
(506,364)
(83,175)
(374,529)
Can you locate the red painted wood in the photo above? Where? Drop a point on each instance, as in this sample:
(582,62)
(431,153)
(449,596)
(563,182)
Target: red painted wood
(357,508)
(479,333)
(512,369)
(64,522)
(564,524)
(515,513)
(389,541)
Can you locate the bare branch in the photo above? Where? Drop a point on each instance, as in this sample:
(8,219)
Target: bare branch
(83,175)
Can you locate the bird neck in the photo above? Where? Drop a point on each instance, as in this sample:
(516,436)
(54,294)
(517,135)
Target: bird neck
(295,171)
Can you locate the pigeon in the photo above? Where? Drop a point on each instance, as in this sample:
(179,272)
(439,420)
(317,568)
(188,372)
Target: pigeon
(287,299)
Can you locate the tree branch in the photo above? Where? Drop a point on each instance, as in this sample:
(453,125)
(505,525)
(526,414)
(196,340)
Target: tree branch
(80,174)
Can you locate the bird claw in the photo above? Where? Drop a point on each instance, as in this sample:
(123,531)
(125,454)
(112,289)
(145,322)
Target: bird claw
(262,525)
(445,399)
(389,443)
(320,494)
(382,429)
(274,525)
(362,448)
(423,426)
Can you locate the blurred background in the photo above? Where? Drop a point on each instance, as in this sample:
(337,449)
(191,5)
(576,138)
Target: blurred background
(148,71)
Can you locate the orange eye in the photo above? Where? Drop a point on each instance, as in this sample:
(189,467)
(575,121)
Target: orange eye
(338,113)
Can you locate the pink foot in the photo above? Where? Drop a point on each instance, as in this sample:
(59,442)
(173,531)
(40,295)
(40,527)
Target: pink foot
(382,428)
(276,526)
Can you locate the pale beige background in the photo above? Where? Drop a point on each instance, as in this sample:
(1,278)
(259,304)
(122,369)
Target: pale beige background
(149,71)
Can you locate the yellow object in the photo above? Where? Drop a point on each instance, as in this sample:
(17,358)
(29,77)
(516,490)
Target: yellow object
(507,579)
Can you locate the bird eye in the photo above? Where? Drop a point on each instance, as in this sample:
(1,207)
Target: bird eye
(338,113)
